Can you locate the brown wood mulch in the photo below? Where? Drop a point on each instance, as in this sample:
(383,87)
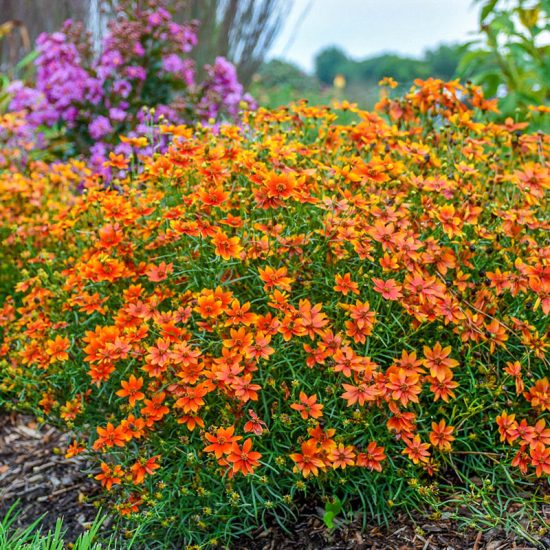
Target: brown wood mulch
(33,472)
(43,481)
(311,534)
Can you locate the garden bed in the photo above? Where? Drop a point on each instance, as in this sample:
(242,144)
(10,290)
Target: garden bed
(33,471)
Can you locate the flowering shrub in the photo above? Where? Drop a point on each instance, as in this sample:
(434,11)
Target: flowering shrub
(295,306)
(142,61)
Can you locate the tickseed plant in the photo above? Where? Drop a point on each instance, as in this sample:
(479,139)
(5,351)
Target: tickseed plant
(293,307)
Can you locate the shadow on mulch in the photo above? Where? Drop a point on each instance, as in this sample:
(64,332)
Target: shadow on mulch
(44,482)
(310,533)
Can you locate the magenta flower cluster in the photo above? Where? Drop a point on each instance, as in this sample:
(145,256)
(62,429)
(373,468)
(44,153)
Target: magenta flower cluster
(143,62)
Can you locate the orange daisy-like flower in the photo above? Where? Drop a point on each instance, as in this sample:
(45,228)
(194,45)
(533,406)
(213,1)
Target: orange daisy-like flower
(157,273)
(131,389)
(275,278)
(345,285)
(372,457)
(110,436)
(226,247)
(110,476)
(308,406)
(243,458)
(280,186)
(441,435)
(404,386)
(390,288)
(342,456)
(309,460)
(221,443)
(57,348)
(416,450)
(438,361)
(144,467)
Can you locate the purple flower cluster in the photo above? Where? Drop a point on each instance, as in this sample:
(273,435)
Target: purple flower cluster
(142,63)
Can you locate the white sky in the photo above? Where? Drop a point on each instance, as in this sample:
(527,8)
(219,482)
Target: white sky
(366,27)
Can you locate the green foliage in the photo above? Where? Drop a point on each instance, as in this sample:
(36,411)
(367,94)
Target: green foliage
(440,62)
(511,59)
(330,62)
(332,509)
(33,537)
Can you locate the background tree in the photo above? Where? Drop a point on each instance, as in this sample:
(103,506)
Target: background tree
(512,58)
(330,62)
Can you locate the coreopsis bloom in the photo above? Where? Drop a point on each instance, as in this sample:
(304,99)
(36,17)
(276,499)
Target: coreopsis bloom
(255,425)
(438,361)
(143,467)
(110,476)
(309,461)
(222,442)
(132,390)
(540,459)
(345,285)
(507,427)
(243,459)
(308,406)
(110,436)
(57,349)
(441,435)
(416,450)
(389,288)
(372,457)
(341,456)
(404,386)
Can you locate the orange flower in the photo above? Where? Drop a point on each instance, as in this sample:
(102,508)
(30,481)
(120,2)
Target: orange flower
(311,317)
(308,406)
(280,186)
(154,410)
(275,278)
(540,459)
(74,449)
(416,450)
(342,456)
(208,306)
(110,476)
(131,389)
(144,467)
(255,425)
(440,435)
(372,457)
(404,386)
(390,288)
(359,394)
(226,247)
(507,427)
(309,460)
(157,273)
(345,285)
(110,436)
(243,458)
(222,442)
(438,361)
(57,348)
(442,389)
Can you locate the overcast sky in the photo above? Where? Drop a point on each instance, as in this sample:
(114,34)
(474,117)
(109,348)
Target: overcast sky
(366,27)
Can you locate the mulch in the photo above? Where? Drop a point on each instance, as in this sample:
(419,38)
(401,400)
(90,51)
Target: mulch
(34,472)
(312,534)
(36,476)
